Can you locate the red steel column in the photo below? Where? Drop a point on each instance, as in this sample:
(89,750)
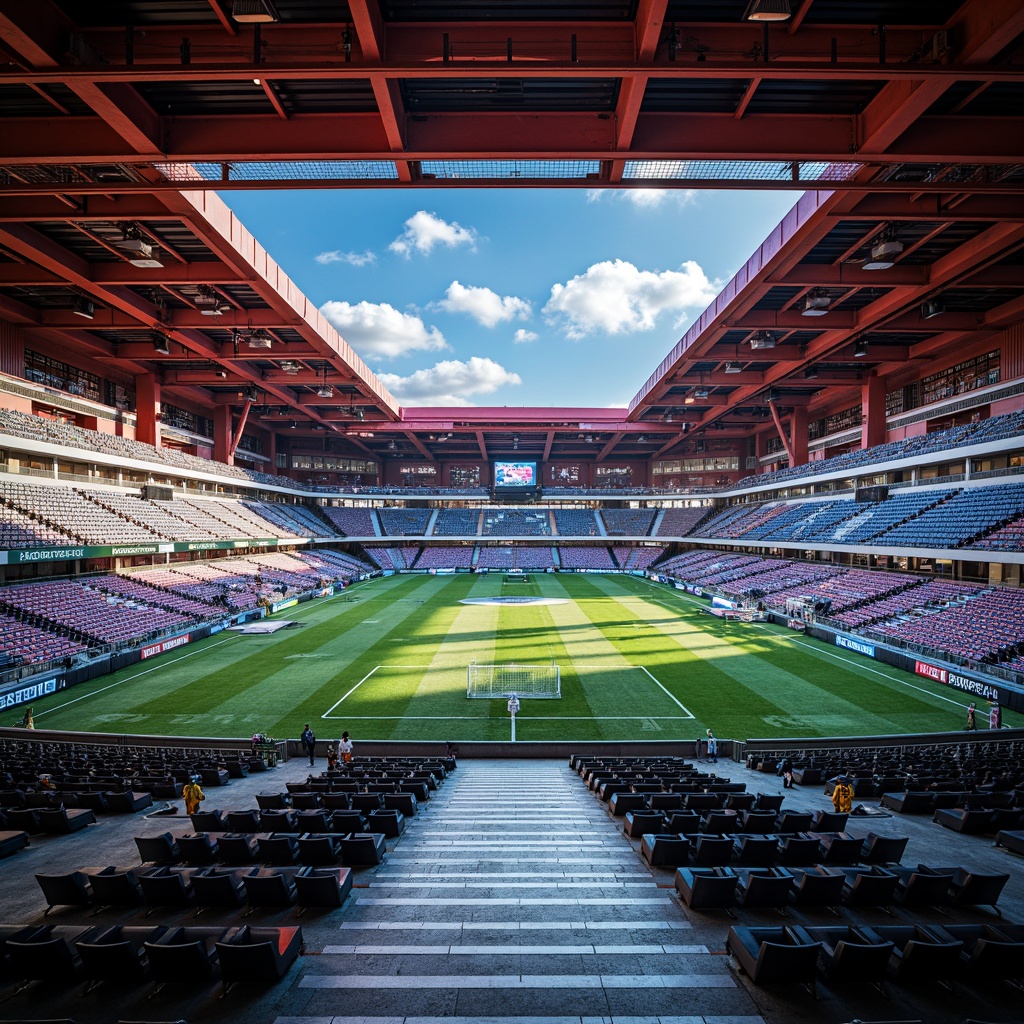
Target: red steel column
(872,403)
(147,409)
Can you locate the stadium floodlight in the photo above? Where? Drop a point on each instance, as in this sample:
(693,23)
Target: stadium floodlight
(883,254)
(816,303)
(929,308)
(260,339)
(289,366)
(762,340)
(701,392)
(160,343)
(139,252)
(325,390)
(731,367)
(860,348)
(84,307)
(767,10)
(503,680)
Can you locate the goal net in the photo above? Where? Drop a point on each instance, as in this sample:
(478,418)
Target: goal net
(489,680)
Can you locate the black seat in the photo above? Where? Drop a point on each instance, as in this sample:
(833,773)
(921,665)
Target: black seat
(199,849)
(112,957)
(314,821)
(765,887)
(266,888)
(883,849)
(237,848)
(319,850)
(870,887)
(177,958)
(218,887)
(712,851)
(756,851)
(244,821)
(797,851)
(209,821)
(818,887)
(161,849)
(273,801)
(322,887)
(58,822)
(70,890)
(39,955)
(974,889)
(707,888)
(274,821)
(257,955)
(774,955)
(279,851)
(362,849)
(793,821)
(113,888)
(849,956)
(663,850)
(163,888)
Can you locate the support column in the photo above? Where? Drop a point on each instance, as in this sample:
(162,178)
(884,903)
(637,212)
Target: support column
(798,434)
(222,434)
(872,404)
(272,451)
(147,409)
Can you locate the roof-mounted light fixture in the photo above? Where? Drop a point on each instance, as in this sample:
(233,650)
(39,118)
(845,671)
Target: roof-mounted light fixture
(253,12)
(161,345)
(884,251)
(84,307)
(929,308)
(816,303)
(860,348)
(701,392)
(732,367)
(139,252)
(289,366)
(767,10)
(325,390)
(762,340)
(260,338)
(209,303)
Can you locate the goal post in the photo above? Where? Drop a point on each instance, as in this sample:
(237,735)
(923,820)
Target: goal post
(489,680)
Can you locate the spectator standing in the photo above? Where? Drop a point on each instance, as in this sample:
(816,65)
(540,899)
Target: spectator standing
(712,747)
(345,748)
(995,717)
(192,795)
(332,756)
(27,721)
(972,721)
(308,741)
(842,795)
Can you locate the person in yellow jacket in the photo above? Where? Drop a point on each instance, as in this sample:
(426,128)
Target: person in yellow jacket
(842,795)
(192,795)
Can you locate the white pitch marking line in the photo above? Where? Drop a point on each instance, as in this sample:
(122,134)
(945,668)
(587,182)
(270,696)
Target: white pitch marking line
(350,692)
(138,675)
(667,694)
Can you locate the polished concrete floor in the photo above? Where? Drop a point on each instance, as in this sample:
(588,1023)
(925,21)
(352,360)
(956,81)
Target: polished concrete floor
(512,897)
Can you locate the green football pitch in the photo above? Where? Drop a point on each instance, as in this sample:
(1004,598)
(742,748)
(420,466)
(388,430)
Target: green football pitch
(387,660)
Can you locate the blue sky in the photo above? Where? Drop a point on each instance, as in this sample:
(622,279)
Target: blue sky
(518,297)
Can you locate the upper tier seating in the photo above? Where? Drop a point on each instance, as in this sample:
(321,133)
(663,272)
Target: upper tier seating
(570,522)
(678,522)
(295,520)
(1007,538)
(877,517)
(509,557)
(994,429)
(586,558)
(351,522)
(628,522)
(934,594)
(514,522)
(404,522)
(457,522)
(959,520)
(803,520)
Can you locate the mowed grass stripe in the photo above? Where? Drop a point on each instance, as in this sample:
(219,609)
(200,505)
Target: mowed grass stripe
(692,663)
(440,691)
(410,640)
(207,695)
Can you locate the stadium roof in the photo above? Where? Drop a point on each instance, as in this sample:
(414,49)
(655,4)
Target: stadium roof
(905,119)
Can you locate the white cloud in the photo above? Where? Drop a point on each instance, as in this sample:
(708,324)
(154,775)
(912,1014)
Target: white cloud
(425,230)
(644,198)
(523,336)
(616,297)
(355,259)
(377,329)
(451,382)
(483,305)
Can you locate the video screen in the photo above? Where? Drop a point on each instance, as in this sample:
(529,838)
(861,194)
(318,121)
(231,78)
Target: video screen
(515,474)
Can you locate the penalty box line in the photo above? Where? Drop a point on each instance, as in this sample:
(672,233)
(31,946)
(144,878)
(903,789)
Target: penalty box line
(687,714)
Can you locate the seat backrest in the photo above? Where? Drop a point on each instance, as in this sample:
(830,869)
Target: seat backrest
(179,962)
(248,962)
(782,962)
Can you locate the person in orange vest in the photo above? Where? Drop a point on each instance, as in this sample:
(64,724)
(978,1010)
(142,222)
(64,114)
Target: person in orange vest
(192,795)
(842,795)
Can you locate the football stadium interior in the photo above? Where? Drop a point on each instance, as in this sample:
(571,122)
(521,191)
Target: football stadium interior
(749,654)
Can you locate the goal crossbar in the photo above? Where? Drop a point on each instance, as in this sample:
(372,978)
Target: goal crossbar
(491,680)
